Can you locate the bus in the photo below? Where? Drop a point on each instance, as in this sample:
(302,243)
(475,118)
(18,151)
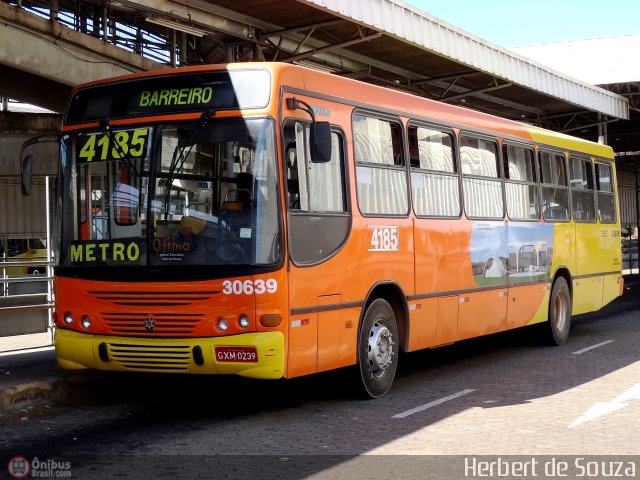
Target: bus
(271,221)
(24,250)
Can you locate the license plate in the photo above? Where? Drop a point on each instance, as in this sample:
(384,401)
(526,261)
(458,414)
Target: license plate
(236,354)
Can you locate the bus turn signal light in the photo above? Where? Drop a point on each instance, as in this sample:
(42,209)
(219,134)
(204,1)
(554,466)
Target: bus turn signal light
(270,320)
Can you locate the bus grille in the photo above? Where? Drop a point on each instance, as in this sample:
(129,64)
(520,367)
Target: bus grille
(162,324)
(151,358)
(136,313)
(153,299)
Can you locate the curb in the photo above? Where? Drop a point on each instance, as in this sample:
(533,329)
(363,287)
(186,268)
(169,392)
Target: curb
(20,399)
(30,395)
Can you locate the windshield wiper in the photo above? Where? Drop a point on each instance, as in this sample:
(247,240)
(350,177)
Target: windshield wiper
(122,156)
(180,155)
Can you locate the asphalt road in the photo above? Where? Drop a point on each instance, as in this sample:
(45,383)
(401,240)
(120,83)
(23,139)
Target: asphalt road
(497,399)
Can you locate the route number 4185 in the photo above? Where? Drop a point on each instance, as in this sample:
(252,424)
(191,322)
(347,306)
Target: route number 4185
(384,238)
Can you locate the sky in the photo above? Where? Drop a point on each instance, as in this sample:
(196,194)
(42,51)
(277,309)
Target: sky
(518,23)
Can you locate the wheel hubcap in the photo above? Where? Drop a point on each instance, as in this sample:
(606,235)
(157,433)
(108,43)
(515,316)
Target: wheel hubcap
(561,311)
(380,348)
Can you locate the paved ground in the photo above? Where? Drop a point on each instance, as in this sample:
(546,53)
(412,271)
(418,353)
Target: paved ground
(499,395)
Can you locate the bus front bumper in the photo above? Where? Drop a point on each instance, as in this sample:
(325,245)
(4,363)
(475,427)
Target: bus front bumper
(253,355)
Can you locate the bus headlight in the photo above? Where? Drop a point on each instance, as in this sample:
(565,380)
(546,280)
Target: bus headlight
(222,324)
(86,321)
(244,321)
(68,318)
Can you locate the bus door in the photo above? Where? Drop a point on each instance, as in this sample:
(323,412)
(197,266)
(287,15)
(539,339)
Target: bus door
(318,225)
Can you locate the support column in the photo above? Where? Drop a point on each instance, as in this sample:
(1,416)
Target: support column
(53,10)
(637,216)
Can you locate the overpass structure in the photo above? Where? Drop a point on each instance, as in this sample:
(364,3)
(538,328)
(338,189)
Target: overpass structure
(49,46)
(52,45)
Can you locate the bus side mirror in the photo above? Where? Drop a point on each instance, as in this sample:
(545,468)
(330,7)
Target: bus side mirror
(26,162)
(320,142)
(25,172)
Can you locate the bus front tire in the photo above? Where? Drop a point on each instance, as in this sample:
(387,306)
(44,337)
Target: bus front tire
(378,348)
(559,322)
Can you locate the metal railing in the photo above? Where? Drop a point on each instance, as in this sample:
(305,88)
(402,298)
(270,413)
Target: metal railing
(630,263)
(100,22)
(9,280)
(23,293)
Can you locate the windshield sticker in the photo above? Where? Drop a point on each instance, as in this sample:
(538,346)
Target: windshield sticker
(176,245)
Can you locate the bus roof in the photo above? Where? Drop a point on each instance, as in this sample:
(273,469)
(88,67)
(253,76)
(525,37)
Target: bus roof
(375,97)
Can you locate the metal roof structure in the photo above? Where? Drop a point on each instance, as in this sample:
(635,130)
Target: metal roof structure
(608,63)
(386,42)
(391,43)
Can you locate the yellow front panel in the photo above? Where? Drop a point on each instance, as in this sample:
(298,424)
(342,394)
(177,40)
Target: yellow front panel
(79,350)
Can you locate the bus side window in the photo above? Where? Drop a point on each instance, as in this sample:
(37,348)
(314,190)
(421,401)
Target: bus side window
(381,179)
(520,183)
(481,183)
(582,190)
(434,179)
(293,184)
(555,191)
(606,197)
(313,187)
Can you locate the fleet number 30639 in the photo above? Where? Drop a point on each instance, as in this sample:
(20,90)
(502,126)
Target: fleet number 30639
(249,287)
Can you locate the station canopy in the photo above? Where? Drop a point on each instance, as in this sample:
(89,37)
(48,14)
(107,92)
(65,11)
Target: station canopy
(385,42)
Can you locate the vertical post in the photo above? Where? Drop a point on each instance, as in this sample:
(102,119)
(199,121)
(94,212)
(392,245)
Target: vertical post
(184,49)
(53,10)
(50,299)
(139,49)
(637,222)
(105,24)
(174,53)
(5,286)
(5,104)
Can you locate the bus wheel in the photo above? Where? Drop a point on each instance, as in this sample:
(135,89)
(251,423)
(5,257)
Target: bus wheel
(378,348)
(559,323)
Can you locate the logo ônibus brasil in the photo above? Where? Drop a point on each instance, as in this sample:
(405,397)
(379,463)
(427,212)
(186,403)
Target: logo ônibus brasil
(21,467)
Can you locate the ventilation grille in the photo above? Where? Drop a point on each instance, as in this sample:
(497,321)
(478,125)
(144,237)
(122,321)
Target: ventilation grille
(152,324)
(153,299)
(148,314)
(150,358)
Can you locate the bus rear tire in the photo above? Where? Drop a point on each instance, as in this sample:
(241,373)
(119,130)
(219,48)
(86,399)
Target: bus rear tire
(378,348)
(556,328)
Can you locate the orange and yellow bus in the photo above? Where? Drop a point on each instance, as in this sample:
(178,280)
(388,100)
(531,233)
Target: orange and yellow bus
(272,221)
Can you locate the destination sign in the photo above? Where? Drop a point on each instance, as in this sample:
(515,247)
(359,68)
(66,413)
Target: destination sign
(176,96)
(116,145)
(109,252)
(169,93)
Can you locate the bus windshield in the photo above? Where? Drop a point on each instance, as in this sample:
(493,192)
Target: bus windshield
(199,194)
